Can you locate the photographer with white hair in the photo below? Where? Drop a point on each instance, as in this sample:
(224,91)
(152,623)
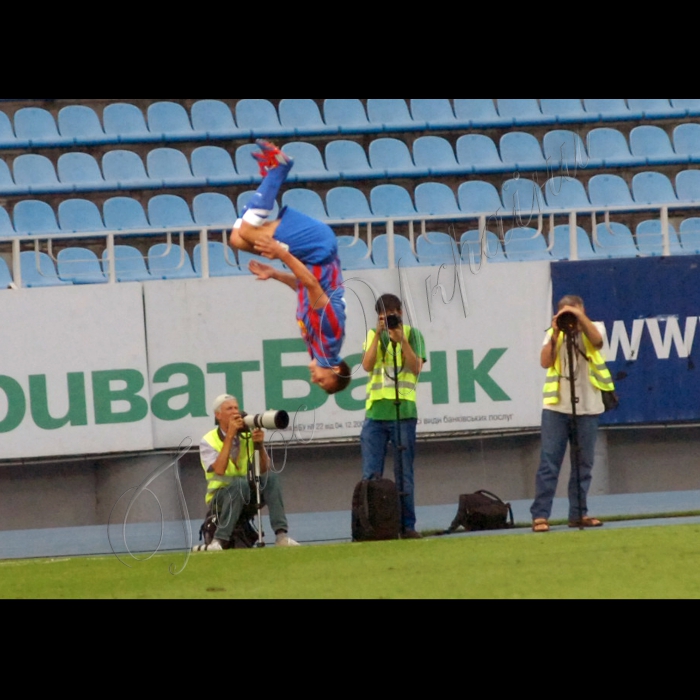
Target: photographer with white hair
(225,453)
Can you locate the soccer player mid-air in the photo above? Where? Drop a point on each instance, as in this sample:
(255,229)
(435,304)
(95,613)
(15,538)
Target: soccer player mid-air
(309,249)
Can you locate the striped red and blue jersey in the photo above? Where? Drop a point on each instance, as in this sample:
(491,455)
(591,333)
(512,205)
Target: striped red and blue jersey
(323,329)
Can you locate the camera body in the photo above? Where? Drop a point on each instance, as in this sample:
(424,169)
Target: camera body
(393,322)
(270,420)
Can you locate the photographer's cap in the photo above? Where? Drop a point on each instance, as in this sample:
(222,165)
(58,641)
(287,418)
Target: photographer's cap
(221,400)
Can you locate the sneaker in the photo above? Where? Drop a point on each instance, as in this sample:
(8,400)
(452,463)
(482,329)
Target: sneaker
(215,546)
(411,535)
(284,540)
(271,157)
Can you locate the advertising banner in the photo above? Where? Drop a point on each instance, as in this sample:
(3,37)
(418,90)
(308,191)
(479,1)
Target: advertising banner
(650,308)
(73,372)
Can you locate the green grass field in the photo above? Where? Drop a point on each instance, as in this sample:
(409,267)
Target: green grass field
(637,563)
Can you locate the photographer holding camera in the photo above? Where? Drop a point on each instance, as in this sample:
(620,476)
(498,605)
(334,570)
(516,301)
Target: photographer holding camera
(225,453)
(394,358)
(564,422)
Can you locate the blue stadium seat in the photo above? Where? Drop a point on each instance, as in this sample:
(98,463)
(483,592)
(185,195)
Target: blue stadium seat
(38,270)
(125,214)
(690,235)
(524,244)
(564,149)
(686,142)
(7,183)
(126,170)
(38,127)
(6,227)
(170,211)
(403,254)
(38,174)
(437,114)
(522,196)
(246,166)
(7,134)
(260,118)
(434,155)
(566,111)
(171,167)
(127,124)
(215,119)
(393,158)
(688,186)
(437,249)
(80,266)
(609,191)
(170,262)
(303,118)
(308,162)
(214,209)
(656,109)
(521,111)
(436,199)
(32,217)
(653,188)
(520,150)
(306,201)
(82,125)
(80,216)
(566,193)
(473,247)
(477,197)
(348,203)
(478,113)
(652,145)
(608,109)
(347,160)
(561,250)
(82,172)
(393,115)
(129,264)
(215,166)
(244,198)
(354,254)
(392,201)
(609,147)
(245,258)
(478,153)
(691,107)
(616,241)
(5,275)
(349,116)
(222,261)
(171,121)
(650,240)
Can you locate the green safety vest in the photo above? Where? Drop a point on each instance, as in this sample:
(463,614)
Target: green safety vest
(381,382)
(598,372)
(233,471)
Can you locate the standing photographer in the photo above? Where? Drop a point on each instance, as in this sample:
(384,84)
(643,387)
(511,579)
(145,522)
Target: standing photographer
(394,358)
(225,453)
(591,375)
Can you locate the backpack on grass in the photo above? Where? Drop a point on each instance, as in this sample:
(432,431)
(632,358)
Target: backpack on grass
(376,511)
(482,510)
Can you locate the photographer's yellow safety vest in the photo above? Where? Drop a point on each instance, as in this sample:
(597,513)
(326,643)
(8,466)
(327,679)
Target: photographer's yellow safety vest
(233,470)
(598,372)
(381,384)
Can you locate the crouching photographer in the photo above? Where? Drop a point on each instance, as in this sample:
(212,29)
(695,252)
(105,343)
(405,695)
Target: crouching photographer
(226,453)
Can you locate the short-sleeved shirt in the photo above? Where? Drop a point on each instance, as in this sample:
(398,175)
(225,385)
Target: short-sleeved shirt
(590,400)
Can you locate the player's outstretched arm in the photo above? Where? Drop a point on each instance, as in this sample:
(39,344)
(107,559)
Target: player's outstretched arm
(267,272)
(273,250)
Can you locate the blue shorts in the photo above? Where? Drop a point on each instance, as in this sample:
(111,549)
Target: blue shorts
(309,240)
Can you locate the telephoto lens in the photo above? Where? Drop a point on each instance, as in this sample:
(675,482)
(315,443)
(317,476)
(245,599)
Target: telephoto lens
(393,322)
(270,420)
(567,322)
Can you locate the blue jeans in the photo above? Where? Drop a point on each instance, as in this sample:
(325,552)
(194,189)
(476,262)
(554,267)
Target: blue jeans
(375,439)
(556,434)
(228,504)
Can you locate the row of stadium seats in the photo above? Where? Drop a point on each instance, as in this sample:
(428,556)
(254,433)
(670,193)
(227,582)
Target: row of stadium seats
(78,265)
(430,199)
(345,160)
(34,127)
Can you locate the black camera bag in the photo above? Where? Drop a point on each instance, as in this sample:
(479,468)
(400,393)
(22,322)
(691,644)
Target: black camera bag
(482,510)
(376,511)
